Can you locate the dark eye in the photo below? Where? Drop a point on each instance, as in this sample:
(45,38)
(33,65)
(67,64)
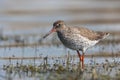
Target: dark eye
(58,24)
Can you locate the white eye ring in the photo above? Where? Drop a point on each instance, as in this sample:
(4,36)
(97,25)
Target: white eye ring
(58,24)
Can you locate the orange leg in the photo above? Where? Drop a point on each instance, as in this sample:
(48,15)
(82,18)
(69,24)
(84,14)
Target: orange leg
(81,57)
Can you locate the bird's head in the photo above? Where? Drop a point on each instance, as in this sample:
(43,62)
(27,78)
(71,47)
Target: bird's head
(57,26)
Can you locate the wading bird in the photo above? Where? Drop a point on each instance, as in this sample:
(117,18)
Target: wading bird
(76,38)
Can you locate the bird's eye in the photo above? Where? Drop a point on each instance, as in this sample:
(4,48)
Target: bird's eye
(58,25)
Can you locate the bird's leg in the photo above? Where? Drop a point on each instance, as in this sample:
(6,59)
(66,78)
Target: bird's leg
(79,55)
(81,59)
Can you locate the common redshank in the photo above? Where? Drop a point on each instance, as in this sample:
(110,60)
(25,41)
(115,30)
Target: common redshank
(76,38)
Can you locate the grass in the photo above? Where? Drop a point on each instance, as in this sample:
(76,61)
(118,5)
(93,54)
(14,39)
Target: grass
(62,70)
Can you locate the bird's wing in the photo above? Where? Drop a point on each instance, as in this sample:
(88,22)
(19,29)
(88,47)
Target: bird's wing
(92,35)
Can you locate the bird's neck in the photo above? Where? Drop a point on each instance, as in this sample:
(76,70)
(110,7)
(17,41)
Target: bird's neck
(63,28)
(63,31)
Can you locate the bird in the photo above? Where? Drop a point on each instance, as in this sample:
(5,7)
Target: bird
(76,38)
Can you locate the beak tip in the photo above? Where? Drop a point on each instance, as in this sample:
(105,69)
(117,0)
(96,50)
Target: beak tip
(47,34)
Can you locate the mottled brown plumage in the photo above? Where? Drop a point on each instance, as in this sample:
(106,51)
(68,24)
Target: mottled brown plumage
(77,38)
(91,35)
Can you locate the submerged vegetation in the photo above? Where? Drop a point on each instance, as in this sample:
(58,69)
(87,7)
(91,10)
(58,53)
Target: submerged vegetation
(62,69)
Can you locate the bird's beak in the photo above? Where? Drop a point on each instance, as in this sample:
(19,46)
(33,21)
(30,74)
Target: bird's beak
(51,31)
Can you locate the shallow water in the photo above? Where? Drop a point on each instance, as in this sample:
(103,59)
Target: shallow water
(32,19)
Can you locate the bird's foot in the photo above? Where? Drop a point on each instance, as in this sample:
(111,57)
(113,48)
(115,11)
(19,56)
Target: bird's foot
(82,61)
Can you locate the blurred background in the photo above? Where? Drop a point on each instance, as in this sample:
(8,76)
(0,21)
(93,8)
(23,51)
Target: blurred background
(35,16)
(24,22)
(27,21)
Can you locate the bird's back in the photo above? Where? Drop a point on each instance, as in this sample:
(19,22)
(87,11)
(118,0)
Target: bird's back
(90,34)
(79,38)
